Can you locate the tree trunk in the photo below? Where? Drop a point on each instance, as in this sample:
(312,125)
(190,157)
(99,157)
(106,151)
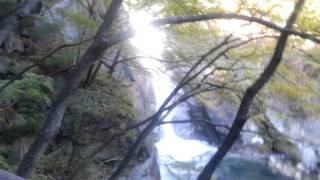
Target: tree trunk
(130,154)
(243,111)
(94,74)
(88,76)
(53,122)
(115,62)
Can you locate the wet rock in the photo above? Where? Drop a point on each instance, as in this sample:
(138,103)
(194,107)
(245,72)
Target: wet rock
(10,67)
(149,170)
(203,131)
(5,65)
(298,175)
(288,170)
(20,66)
(13,43)
(8,176)
(257,140)
(309,157)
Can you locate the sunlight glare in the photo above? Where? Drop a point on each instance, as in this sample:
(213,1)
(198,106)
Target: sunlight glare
(147,39)
(150,41)
(309,44)
(238,28)
(229,5)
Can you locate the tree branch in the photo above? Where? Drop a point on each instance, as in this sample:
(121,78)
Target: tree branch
(212,16)
(44,58)
(188,77)
(54,118)
(243,110)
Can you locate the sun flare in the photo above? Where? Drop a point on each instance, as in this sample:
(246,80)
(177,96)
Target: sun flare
(147,39)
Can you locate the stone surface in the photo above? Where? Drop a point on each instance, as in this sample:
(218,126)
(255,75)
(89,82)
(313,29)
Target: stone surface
(4,175)
(13,43)
(309,157)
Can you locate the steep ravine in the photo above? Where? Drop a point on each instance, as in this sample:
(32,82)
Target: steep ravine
(288,148)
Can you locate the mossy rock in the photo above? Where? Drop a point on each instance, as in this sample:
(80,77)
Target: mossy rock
(42,177)
(24,104)
(57,63)
(55,163)
(6,5)
(4,164)
(94,114)
(275,141)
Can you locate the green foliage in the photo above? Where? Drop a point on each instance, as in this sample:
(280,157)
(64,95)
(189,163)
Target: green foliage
(295,89)
(54,163)
(103,103)
(60,61)
(46,31)
(184,7)
(43,177)
(289,90)
(30,97)
(188,41)
(309,18)
(269,9)
(11,133)
(79,19)
(255,52)
(6,5)
(193,30)
(315,53)
(4,164)
(105,99)
(30,93)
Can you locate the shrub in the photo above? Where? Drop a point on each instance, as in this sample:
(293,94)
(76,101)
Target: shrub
(30,98)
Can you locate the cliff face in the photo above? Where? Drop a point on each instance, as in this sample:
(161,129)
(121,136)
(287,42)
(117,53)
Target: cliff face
(282,136)
(283,127)
(94,115)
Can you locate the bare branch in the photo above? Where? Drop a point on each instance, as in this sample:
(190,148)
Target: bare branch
(54,118)
(44,58)
(243,110)
(188,77)
(213,16)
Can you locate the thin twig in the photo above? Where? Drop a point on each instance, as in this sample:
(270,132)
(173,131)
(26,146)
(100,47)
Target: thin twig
(44,58)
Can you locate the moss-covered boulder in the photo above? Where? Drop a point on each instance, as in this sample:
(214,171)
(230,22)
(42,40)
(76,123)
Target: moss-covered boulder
(94,115)
(23,106)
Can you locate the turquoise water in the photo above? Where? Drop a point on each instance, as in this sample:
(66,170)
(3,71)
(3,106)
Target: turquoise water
(232,167)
